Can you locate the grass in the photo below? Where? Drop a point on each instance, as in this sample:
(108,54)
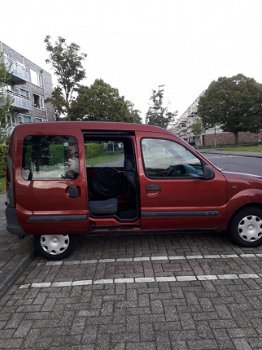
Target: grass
(257,148)
(2,184)
(103,159)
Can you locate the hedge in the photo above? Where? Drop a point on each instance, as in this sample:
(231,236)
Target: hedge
(56,154)
(3,159)
(93,150)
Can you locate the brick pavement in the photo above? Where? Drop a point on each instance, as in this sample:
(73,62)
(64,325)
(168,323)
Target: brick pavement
(15,254)
(201,314)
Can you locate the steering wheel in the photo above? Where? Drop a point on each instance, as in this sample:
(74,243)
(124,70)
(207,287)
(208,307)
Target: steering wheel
(107,182)
(177,170)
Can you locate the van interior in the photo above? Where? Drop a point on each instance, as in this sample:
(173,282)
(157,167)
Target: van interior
(111,176)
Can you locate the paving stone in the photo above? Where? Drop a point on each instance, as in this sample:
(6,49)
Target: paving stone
(11,343)
(163,342)
(141,346)
(187,321)
(179,345)
(23,329)
(241,344)
(202,344)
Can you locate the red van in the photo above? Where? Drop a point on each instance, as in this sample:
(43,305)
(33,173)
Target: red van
(71,178)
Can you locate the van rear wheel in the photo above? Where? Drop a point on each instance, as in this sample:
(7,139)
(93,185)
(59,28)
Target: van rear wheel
(246,227)
(54,247)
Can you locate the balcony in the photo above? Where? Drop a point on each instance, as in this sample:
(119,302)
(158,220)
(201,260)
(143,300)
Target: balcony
(19,73)
(17,97)
(20,103)
(9,129)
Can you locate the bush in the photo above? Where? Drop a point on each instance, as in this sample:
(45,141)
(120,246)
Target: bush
(56,154)
(3,159)
(93,150)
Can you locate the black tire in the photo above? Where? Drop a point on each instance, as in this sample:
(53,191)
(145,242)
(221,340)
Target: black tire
(246,227)
(55,247)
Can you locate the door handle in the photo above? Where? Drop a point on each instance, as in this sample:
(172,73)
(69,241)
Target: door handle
(73,191)
(152,187)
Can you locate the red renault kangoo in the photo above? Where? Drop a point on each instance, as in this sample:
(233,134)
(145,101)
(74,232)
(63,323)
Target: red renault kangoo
(70,178)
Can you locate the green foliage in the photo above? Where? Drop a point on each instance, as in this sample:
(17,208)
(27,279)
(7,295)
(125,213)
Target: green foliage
(197,127)
(3,159)
(232,103)
(101,102)
(157,114)
(2,184)
(58,101)
(67,63)
(56,154)
(5,100)
(4,70)
(93,150)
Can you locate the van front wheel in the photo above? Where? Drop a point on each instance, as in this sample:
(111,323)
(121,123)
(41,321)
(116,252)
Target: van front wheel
(54,247)
(246,227)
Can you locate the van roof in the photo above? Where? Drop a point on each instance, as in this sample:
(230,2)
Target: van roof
(92,125)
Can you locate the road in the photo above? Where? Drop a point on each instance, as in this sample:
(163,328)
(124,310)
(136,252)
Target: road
(141,292)
(236,163)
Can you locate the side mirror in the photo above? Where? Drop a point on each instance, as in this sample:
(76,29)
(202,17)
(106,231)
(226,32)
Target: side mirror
(208,173)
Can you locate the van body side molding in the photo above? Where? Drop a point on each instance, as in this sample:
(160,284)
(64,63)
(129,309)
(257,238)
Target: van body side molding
(57,218)
(179,213)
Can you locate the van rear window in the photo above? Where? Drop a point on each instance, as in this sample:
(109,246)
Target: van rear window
(50,158)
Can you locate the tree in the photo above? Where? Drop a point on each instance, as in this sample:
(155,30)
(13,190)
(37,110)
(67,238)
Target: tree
(5,100)
(101,102)
(157,114)
(197,129)
(67,63)
(235,104)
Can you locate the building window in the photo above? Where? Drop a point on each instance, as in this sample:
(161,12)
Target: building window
(19,91)
(38,101)
(24,93)
(38,120)
(35,78)
(22,119)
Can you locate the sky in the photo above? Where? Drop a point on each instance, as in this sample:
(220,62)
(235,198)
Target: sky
(138,45)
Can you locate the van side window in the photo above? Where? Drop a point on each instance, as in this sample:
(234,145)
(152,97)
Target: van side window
(168,159)
(50,158)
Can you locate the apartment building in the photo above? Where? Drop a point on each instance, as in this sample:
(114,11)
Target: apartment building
(186,123)
(29,87)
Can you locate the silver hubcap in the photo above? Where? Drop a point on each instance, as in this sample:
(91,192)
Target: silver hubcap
(54,244)
(250,228)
